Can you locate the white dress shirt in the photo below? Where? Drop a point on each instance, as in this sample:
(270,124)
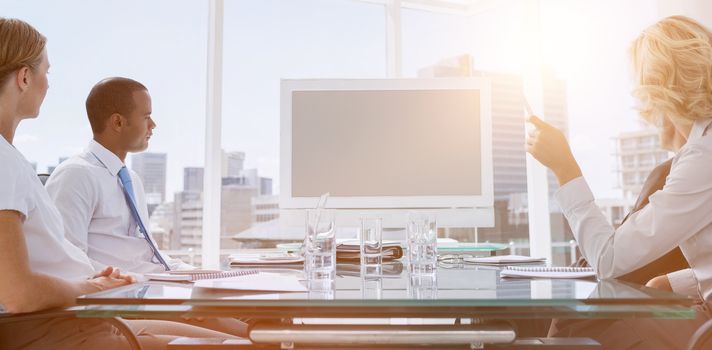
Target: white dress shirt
(97,219)
(48,250)
(679,214)
(684,282)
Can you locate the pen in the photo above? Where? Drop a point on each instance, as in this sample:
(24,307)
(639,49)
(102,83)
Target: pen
(527,106)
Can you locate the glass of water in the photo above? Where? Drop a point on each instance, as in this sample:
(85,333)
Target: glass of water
(320,249)
(423,286)
(371,288)
(371,246)
(422,244)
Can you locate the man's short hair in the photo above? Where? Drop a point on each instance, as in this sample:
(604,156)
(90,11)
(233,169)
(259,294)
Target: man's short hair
(109,96)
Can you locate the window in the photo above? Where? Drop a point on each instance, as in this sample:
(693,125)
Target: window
(327,39)
(268,40)
(83,52)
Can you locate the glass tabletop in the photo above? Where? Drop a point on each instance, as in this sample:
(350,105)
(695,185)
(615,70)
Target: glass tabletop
(451,292)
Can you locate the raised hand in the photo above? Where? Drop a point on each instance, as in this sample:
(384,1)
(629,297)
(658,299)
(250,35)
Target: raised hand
(549,146)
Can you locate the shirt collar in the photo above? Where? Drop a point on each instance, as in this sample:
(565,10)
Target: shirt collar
(698,128)
(107,158)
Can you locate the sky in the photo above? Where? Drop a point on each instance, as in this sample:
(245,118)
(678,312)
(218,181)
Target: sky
(163,43)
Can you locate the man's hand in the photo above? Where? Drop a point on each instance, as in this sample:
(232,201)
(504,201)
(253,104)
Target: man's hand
(108,278)
(549,146)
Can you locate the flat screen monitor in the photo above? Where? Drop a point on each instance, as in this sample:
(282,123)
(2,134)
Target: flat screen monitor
(387,146)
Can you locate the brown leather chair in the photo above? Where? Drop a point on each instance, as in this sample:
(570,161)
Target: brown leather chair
(6,318)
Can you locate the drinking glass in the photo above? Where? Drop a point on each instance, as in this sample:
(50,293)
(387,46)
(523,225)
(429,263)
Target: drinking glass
(422,286)
(422,243)
(320,249)
(371,288)
(371,246)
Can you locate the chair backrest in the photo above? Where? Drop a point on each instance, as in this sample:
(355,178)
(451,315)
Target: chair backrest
(702,339)
(43,178)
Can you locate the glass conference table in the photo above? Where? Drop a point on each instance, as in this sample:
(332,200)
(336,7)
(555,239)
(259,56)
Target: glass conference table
(462,305)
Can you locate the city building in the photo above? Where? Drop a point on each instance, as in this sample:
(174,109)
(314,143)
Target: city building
(232,163)
(193,179)
(151,167)
(187,220)
(236,215)
(636,154)
(161,224)
(265,208)
(252,178)
(241,189)
(265,186)
(236,212)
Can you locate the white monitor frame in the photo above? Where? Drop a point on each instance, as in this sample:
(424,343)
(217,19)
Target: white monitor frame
(465,204)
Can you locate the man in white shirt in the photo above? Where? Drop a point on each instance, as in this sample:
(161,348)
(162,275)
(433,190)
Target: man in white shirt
(102,202)
(89,191)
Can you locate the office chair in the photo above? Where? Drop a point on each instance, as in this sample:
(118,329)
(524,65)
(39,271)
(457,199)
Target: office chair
(702,338)
(6,318)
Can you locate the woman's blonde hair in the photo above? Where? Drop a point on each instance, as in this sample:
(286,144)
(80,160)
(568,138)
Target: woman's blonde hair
(21,45)
(672,71)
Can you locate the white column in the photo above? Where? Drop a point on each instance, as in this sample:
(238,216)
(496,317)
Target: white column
(393,38)
(537,183)
(213,118)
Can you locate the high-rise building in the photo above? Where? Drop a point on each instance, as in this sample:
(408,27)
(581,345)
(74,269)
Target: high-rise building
(232,163)
(265,186)
(236,215)
(151,167)
(265,208)
(251,177)
(637,153)
(187,220)
(161,224)
(193,179)
(236,212)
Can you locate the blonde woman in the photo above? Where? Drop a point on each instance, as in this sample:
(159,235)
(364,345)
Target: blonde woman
(672,69)
(39,268)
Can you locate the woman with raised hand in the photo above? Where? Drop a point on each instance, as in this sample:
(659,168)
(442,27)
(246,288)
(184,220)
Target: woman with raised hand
(672,69)
(39,268)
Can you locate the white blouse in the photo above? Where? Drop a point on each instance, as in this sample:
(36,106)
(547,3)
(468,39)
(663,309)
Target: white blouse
(21,190)
(679,214)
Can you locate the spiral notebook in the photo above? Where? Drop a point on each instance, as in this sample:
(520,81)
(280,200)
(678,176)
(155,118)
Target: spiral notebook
(195,275)
(547,272)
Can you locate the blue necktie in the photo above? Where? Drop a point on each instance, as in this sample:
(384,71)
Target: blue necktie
(129,193)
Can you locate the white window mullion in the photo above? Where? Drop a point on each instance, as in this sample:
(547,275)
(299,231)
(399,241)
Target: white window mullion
(212,182)
(537,182)
(393,39)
